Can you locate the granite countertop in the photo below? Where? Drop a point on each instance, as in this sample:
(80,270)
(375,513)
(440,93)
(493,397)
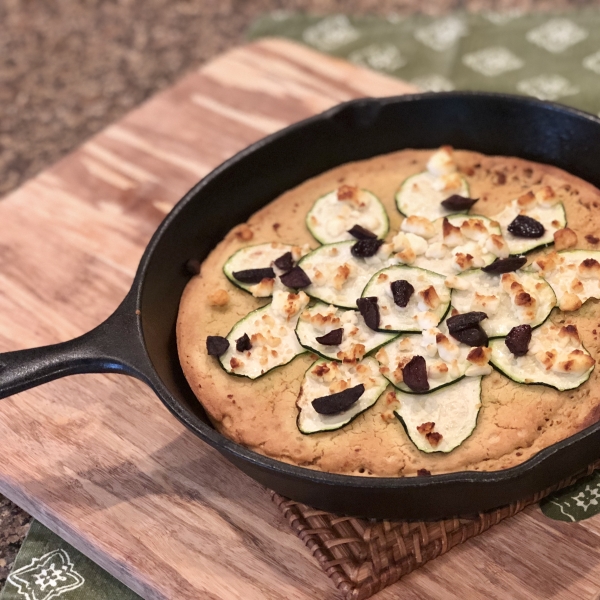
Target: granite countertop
(69,68)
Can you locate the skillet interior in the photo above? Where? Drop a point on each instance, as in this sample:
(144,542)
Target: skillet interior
(487,123)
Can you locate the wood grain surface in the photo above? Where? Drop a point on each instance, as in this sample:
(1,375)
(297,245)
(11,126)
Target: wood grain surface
(100,461)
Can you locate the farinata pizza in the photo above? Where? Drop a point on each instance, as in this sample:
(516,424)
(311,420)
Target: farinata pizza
(416,313)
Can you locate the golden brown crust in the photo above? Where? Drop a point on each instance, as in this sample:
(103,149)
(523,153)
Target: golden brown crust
(515,422)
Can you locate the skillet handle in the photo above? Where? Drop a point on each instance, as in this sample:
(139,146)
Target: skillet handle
(115,346)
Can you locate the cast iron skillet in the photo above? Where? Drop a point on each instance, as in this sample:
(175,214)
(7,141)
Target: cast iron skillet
(139,338)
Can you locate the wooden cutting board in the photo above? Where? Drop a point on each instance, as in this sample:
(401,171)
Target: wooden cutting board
(99,460)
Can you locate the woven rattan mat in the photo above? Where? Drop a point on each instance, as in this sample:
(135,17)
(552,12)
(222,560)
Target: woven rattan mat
(362,556)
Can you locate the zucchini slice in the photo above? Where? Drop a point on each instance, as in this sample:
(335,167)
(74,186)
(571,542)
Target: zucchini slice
(430,295)
(259,256)
(508,300)
(451,413)
(357,339)
(552,218)
(446,359)
(330,219)
(423,193)
(573,274)
(337,276)
(448,251)
(556,358)
(271,330)
(327,377)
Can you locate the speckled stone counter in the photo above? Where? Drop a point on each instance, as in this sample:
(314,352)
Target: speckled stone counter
(69,68)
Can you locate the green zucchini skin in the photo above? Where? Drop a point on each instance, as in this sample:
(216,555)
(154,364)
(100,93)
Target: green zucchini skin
(228,270)
(543,244)
(229,337)
(397,196)
(368,291)
(549,385)
(353,418)
(346,422)
(323,241)
(311,292)
(325,356)
(493,336)
(430,449)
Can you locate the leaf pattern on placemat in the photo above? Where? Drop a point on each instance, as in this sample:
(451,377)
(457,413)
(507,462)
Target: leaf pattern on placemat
(575,503)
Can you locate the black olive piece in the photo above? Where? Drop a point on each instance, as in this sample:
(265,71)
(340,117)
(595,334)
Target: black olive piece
(526,227)
(333,338)
(457,202)
(366,248)
(242,344)
(285,262)
(505,265)
(216,345)
(472,336)
(295,278)
(340,402)
(465,321)
(360,233)
(192,266)
(518,338)
(369,309)
(254,275)
(401,292)
(414,374)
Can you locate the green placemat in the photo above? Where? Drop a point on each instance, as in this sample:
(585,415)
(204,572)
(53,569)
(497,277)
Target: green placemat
(47,567)
(549,56)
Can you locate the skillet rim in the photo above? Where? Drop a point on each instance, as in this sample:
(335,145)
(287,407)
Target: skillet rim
(210,435)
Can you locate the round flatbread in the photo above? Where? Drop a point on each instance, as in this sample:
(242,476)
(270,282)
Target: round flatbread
(514,422)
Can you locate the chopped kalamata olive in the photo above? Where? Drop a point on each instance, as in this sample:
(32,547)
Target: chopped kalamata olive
(457,202)
(360,233)
(254,275)
(216,345)
(465,321)
(525,227)
(333,338)
(402,291)
(340,402)
(366,248)
(369,309)
(505,265)
(518,338)
(192,266)
(295,278)
(242,344)
(423,473)
(414,374)
(285,262)
(472,336)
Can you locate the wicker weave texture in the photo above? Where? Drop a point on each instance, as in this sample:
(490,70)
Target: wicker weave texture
(363,556)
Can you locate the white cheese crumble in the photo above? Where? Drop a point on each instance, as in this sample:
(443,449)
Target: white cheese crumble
(357,338)
(422,194)
(543,206)
(338,211)
(573,274)
(430,295)
(271,330)
(337,277)
(458,243)
(446,359)
(508,300)
(556,357)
